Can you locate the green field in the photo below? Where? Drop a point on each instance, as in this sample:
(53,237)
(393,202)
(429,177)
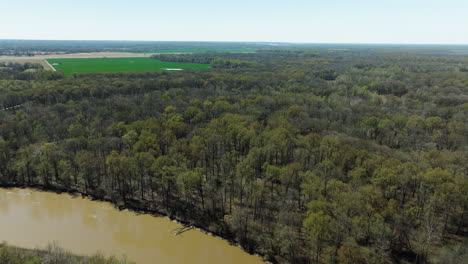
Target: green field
(196,50)
(81,65)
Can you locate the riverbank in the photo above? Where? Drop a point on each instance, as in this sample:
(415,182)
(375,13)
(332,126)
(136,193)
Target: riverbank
(99,214)
(51,254)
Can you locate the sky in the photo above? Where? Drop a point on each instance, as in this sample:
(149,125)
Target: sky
(304,21)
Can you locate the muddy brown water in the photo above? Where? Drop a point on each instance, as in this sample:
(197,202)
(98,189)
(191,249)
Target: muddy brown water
(33,219)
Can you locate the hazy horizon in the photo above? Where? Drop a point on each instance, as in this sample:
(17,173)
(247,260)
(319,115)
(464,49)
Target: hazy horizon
(250,42)
(309,22)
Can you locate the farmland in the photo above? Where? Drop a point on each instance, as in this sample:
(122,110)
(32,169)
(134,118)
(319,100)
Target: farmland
(197,51)
(88,65)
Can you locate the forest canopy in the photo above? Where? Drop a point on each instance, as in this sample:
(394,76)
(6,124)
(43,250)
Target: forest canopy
(302,155)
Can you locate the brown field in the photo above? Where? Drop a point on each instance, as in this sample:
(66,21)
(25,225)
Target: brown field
(25,60)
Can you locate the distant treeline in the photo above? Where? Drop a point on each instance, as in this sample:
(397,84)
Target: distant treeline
(204,58)
(30,47)
(19,71)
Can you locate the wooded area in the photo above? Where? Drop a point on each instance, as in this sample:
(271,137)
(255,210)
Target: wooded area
(304,156)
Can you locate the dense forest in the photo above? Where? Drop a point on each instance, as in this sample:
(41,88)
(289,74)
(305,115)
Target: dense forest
(204,58)
(301,155)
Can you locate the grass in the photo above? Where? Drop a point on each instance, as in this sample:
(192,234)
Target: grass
(82,65)
(195,50)
(51,254)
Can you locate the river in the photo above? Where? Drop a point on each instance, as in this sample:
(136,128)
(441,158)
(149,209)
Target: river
(31,219)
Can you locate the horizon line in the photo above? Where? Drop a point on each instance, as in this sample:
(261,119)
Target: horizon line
(249,41)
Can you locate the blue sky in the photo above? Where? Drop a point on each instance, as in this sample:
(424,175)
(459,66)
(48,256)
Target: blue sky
(314,21)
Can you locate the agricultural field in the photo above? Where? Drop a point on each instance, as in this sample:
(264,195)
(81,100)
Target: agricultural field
(197,50)
(87,65)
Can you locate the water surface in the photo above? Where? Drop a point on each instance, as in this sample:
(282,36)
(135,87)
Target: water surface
(31,219)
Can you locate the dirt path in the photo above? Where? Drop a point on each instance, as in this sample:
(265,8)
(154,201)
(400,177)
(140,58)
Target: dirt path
(48,64)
